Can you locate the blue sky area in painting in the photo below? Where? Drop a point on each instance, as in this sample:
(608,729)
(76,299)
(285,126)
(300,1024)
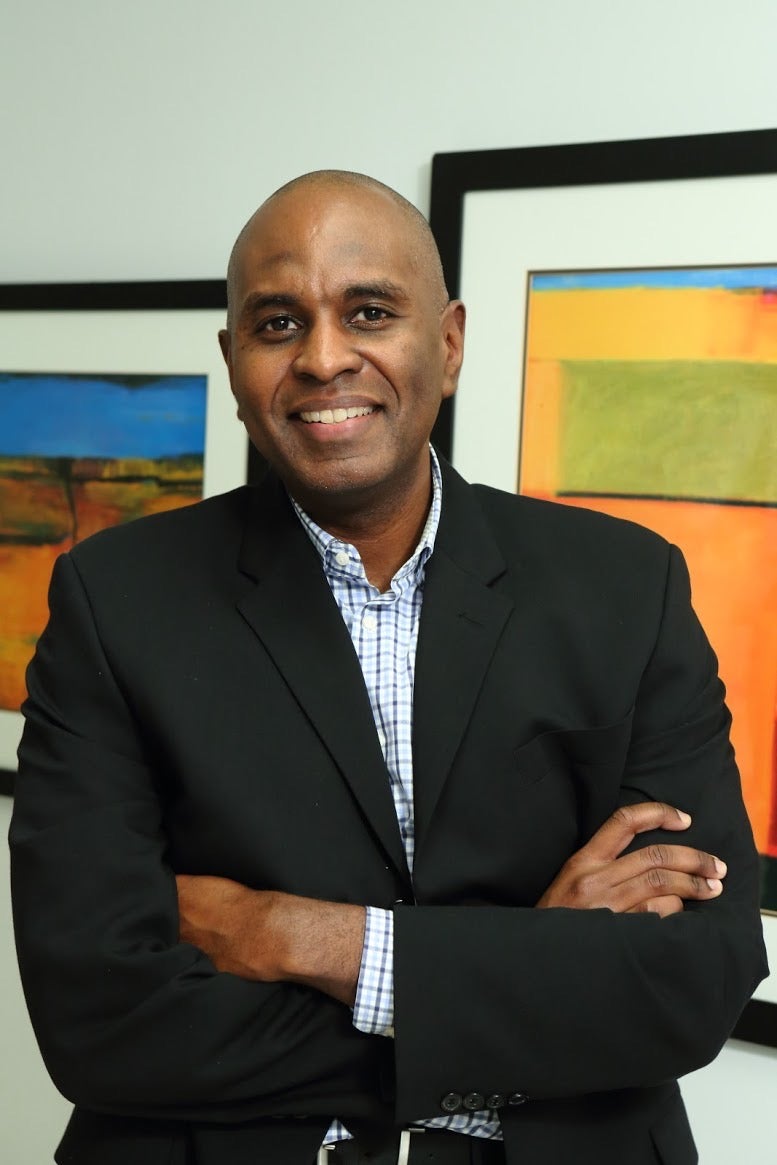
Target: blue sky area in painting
(728,278)
(57,415)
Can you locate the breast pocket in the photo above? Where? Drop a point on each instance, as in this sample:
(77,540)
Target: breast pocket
(509,817)
(589,761)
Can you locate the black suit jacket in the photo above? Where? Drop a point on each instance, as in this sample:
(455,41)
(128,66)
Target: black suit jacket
(196,705)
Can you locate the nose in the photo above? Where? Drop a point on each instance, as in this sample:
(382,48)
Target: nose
(326,350)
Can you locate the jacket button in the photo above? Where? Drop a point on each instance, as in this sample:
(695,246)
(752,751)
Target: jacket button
(474,1101)
(496,1100)
(451,1102)
(516,1098)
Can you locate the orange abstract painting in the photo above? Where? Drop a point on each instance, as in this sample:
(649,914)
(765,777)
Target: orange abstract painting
(652,395)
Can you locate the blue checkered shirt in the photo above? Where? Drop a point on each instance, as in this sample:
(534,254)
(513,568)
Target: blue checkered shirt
(384,630)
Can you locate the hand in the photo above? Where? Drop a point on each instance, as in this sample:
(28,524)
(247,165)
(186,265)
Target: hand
(657,878)
(270,936)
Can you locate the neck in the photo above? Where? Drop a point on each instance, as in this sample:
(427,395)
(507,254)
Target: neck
(385,535)
(383,550)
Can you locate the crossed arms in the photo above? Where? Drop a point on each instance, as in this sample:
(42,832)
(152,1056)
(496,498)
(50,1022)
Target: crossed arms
(271,936)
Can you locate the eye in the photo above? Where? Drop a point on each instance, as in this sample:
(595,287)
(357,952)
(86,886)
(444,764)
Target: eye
(279,325)
(370,315)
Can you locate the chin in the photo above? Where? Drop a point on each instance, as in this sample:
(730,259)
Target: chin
(334,484)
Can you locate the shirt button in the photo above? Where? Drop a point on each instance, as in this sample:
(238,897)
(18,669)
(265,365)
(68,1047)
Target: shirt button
(474,1101)
(496,1100)
(516,1098)
(370,622)
(451,1102)
(341,558)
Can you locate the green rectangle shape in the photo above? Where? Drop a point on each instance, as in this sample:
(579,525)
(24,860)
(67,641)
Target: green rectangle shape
(676,428)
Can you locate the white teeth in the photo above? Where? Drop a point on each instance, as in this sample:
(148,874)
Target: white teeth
(335,416)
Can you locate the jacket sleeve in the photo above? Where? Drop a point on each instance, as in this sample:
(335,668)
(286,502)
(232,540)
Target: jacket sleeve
(128,1019)
(558,1003)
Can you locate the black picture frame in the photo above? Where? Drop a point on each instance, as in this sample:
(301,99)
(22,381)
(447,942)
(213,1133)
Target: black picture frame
(456,175)
(63,302)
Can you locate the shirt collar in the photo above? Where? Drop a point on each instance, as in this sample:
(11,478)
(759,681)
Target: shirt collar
(328,546)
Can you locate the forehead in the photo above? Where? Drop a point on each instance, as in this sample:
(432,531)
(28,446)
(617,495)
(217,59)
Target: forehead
(322,237)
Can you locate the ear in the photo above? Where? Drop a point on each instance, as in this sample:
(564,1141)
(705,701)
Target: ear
(225,343)
(452,323)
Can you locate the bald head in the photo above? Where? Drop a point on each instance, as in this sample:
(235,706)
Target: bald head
(338,185)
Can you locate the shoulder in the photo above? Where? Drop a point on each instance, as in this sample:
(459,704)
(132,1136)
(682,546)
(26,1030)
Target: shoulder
(549,521)
(568,544)
(200,529)
(575,549)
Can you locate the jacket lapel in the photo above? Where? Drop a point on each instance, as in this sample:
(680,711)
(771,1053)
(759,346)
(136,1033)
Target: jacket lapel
(292,610)
(461,623)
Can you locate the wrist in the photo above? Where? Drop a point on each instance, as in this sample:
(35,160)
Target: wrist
(321,946)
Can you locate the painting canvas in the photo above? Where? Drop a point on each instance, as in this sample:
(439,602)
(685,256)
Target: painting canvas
(652,395)
(78,453)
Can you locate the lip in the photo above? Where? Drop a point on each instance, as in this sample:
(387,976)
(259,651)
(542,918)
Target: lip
(334,430)
(318,404)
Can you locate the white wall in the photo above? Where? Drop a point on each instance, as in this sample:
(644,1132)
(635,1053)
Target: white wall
(32,1113)
(137,138)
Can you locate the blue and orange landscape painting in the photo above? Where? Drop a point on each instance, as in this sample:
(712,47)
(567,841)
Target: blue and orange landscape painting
(78,453)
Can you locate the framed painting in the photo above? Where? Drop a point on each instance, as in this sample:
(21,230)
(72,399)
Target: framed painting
(114,403)
(622,355)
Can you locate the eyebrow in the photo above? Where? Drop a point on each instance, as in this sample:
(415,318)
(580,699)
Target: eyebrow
(258,300)
(382,289)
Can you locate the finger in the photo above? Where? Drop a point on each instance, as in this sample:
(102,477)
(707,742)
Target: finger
(664,906)
(626,822)
(658,883)
(679,858)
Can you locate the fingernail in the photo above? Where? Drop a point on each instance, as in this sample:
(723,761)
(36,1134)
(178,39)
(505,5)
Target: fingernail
(721,867)
(684,817)
(715,885)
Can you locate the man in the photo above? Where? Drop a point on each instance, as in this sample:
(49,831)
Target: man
(367,801)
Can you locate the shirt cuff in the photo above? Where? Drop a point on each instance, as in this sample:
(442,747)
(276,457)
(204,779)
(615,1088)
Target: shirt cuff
(373,1011)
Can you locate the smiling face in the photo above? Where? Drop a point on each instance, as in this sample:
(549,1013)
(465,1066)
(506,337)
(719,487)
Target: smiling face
(341,346)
